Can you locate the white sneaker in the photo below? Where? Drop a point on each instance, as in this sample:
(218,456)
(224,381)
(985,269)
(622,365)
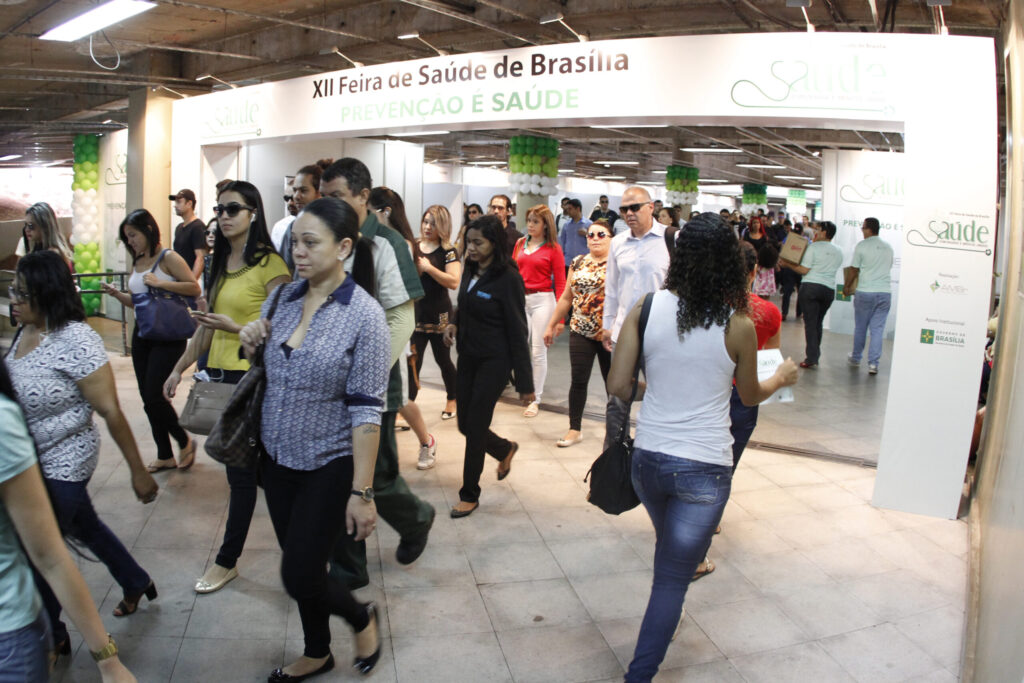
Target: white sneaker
(872,368)
(428,453)
(851,361)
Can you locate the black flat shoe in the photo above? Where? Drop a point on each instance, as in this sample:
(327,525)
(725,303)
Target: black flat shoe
(364,665)
(130,603)
(507,462)
(279,676)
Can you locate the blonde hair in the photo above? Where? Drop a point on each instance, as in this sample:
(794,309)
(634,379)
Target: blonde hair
(548,219)
(442,223)
(47,229)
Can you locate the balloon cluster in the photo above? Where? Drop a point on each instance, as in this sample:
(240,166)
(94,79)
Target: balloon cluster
(85,227)
(533,164)
(681,185)
(755,197)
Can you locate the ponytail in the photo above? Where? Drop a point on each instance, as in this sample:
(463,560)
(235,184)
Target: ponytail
(362,266)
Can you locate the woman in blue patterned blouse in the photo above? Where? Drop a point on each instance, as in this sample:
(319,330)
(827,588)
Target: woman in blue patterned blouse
(326,353)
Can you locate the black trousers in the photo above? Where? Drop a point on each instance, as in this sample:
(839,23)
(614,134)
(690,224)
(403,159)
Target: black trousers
(443,357)
(581,361)
(790,280)
(307,509)
(478,387)
(153,362)
(816,301)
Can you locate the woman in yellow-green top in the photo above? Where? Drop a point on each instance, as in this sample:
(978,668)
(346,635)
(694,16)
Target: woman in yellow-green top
(244,271)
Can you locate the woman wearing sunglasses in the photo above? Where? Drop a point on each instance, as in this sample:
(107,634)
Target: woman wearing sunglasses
(584,296)
(43,233)
(244,270)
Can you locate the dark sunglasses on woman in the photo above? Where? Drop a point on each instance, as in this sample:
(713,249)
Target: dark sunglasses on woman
(231,209)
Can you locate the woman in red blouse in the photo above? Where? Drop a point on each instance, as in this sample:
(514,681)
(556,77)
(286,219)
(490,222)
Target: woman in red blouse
(542,267)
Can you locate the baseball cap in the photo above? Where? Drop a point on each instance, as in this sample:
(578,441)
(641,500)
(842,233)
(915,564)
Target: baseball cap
(185,194)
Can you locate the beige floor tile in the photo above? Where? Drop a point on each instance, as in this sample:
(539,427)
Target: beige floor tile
(221,659)
(938,632)
(774,502)
(826,610)
(792,474)
(780,572)
(824,496)
(804,531)
(512,562)
(804,662)
(234,613)
(600,555)
(879,654)
(614,596)
(448,658)
(753,537)
(533,604)
(724,585)
(857,520)
(950,535)
(848,558)
(897,594)
(691,646)
(751,479)
(344,652)
(487,527)
(442,609)
(749,626)
(562,523)
(712,672)
(567,653)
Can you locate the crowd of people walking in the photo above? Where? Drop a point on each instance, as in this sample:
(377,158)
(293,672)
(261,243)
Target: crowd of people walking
(337,304)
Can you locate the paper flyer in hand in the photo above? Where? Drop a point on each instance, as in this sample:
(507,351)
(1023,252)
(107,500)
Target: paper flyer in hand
(768,361)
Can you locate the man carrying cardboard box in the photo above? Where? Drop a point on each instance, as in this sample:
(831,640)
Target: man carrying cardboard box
(818,266)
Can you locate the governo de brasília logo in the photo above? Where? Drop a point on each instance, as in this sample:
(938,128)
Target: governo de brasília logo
(846,82)
(956,232)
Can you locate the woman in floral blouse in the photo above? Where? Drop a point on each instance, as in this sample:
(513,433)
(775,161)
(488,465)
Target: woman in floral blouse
(584,295)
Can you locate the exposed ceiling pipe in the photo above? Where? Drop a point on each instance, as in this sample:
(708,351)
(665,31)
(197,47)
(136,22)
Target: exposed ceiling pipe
(447,11)
(190,50)
(264,17)
(782,150)
(775,20)
(865,140)
(736,10)
(874,15)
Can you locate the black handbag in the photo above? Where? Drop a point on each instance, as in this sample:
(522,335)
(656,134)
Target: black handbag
(235,438)
(611,480)
(161,315)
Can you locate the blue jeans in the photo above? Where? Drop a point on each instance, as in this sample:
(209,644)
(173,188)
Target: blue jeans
(685,500)
(23,652)
(870,309)
(743,420)
(77,519)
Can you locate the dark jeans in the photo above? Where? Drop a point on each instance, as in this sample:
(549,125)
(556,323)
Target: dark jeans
(242,496)
(77,518)
(817,299)
(685,500)
(153,362)
(581,360)
(790,280)
(479,386)
(742,420)
(307,510)
(396,504)
(443,357)
(23,652)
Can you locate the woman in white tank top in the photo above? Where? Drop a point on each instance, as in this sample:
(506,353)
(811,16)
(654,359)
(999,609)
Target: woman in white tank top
(697,340)
(153,360)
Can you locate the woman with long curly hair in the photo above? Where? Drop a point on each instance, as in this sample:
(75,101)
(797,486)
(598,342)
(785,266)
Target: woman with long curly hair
(698,338)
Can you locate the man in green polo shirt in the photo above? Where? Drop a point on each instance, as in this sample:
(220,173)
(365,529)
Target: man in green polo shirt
(818,266)
(398,287)
(872,265)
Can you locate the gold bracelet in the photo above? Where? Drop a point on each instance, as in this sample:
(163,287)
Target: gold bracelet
(107,651)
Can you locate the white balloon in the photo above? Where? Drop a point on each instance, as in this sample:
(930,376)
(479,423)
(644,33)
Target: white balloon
(535,178)
(91,192)
(535,188)
(79,193)
(94,210)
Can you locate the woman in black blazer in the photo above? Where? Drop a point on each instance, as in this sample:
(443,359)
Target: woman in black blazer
(490,332)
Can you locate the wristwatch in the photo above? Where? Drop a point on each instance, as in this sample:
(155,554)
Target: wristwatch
(366,494)
(107,651)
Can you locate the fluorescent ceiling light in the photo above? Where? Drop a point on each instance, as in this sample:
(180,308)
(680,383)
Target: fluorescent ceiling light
(660,172)
(812,185)
(435,132)
(711,150)
(566,170)
(759,166)
(618,163)
(408,36)
(97,19)
(10,157)
(795,177)
(486,163)
(610,177)
(634,125)
(710,180)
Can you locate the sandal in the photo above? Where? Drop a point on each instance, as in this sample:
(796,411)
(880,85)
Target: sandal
(187,455)
(155,466)
(532,410)
(130,603)
(709,567)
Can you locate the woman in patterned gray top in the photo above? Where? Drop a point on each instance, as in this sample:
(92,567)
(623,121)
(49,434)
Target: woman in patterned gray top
(327,354)
(60,371)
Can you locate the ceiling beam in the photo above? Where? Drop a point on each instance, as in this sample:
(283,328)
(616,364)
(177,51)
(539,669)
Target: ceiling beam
(447,11)
(263,17)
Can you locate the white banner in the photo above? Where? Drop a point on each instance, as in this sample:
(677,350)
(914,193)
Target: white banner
(862,184)
(113,160)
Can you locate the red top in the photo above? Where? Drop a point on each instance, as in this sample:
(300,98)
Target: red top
(539,268)
(766,316)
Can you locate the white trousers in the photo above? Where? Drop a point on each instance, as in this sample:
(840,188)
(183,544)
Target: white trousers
(539,308)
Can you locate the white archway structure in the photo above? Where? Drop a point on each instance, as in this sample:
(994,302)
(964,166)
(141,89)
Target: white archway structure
(938,90)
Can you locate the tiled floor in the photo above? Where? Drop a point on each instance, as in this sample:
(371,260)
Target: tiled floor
(812,583)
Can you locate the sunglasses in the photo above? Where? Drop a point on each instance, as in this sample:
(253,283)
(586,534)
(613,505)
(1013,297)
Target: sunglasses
(597,235)
(287,198)
(231,209)
(211,232)
(635,208)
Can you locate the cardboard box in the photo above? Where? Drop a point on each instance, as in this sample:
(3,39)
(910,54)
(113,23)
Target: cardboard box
(793,249)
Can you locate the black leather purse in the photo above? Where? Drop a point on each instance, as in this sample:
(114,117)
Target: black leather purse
(611,480)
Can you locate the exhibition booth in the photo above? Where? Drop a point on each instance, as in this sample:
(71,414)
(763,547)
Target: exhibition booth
(880,82)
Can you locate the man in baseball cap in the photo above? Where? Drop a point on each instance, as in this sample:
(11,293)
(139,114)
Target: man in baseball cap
(190,235)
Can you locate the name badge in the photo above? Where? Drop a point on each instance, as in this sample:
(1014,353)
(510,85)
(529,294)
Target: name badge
(483,295)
